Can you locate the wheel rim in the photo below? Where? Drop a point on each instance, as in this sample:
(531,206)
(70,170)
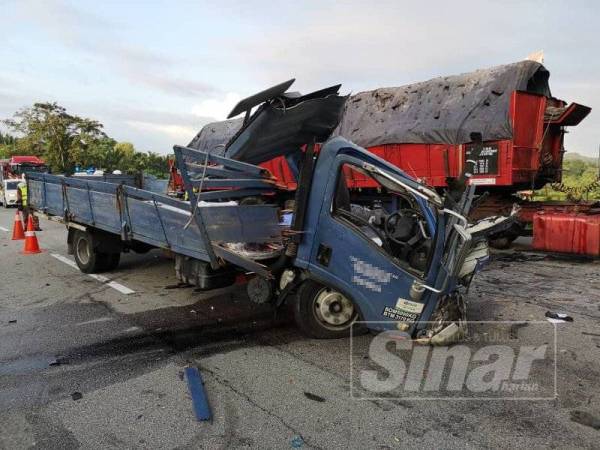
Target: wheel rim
(83,251)
(333,310)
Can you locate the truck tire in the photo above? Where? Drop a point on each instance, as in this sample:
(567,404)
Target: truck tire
(108,261)
(87,258)
(324,313)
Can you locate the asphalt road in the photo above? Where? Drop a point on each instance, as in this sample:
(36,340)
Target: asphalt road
(85,365)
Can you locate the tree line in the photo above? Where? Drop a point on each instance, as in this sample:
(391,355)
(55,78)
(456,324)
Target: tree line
(64,141)
(580,181)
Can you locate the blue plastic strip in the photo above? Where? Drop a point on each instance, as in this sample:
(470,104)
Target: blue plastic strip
(199,400)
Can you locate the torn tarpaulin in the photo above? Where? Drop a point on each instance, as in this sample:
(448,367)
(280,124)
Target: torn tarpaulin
(444,110)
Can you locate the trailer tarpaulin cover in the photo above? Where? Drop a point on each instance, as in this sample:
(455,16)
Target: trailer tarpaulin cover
(442,110)
(214,136)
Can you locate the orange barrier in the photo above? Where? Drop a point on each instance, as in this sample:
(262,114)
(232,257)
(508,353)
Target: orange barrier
(31,242)
(18,233)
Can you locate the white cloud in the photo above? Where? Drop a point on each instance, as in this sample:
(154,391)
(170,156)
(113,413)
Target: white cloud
(180,133)
(218,108)
(78,29)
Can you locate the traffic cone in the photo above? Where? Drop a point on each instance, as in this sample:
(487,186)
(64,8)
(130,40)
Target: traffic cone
(18,233)
(31,242)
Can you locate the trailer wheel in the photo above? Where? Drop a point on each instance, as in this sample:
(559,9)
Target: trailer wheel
(86,257)
(324,313)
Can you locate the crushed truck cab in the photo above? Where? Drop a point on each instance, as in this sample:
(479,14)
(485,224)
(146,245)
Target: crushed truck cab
(397,257)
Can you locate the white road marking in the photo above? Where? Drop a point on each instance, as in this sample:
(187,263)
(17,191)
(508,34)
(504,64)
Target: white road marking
(101,278)
(119,287)
(98,320)
(67,261)
(4,229)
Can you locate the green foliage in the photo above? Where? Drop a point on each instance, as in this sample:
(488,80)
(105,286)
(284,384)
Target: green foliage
(48,130)
(64,140)
(7,145)
(579,182)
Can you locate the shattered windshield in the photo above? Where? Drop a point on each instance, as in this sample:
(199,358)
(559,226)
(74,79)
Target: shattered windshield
(394,184)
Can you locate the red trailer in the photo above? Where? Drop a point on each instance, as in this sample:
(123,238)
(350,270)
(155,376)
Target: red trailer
(426,129)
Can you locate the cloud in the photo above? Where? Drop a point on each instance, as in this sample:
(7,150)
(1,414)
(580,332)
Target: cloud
(151,129)
(219,108)
(178,132)
(98,37)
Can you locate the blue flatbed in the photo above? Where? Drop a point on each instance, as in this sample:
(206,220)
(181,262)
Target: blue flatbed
(154,219)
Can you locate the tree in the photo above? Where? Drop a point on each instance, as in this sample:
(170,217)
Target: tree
(61,138)
(7,145)
(65,140)
(157,165)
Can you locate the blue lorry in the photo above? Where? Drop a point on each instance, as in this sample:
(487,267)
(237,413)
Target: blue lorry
(398,259)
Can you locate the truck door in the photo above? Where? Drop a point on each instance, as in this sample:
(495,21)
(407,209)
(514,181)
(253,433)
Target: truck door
(375,245)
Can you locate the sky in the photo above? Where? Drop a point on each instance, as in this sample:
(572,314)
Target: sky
(155,72)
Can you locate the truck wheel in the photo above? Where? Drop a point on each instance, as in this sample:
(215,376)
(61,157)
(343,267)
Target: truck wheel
(108,261)
(323,313)
(86,257)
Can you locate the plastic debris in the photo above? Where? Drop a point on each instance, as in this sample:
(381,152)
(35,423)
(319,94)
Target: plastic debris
(297,442)
(555,317)
(76,396)
(199,399)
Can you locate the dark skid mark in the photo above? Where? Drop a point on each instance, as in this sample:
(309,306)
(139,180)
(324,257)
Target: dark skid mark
(585,418)
(314,397)
(174,340)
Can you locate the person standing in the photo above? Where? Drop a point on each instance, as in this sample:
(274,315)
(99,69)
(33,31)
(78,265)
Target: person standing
(23,205)
(22,199)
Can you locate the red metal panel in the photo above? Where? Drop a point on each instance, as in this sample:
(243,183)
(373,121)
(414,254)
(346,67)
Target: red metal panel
(567,233)
(25,159)
(280,169)
(504,175)
(527,118)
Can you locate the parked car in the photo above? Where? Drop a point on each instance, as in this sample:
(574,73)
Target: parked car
(8,192)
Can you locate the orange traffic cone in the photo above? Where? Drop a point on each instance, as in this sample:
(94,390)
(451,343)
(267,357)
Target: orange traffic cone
(31,242)
(18,233)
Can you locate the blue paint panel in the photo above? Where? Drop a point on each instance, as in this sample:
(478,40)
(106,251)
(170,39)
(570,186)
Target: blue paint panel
(54,199)
(106,211)
(199,399)
(155,219)
(79,205)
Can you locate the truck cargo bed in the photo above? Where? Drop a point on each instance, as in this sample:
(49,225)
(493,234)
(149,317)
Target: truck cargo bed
(158,220)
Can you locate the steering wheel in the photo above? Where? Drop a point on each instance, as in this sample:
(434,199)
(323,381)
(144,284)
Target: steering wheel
(352,218)
(400,226)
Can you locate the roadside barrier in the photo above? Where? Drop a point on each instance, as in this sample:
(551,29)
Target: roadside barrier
(18,232)
(31,242)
